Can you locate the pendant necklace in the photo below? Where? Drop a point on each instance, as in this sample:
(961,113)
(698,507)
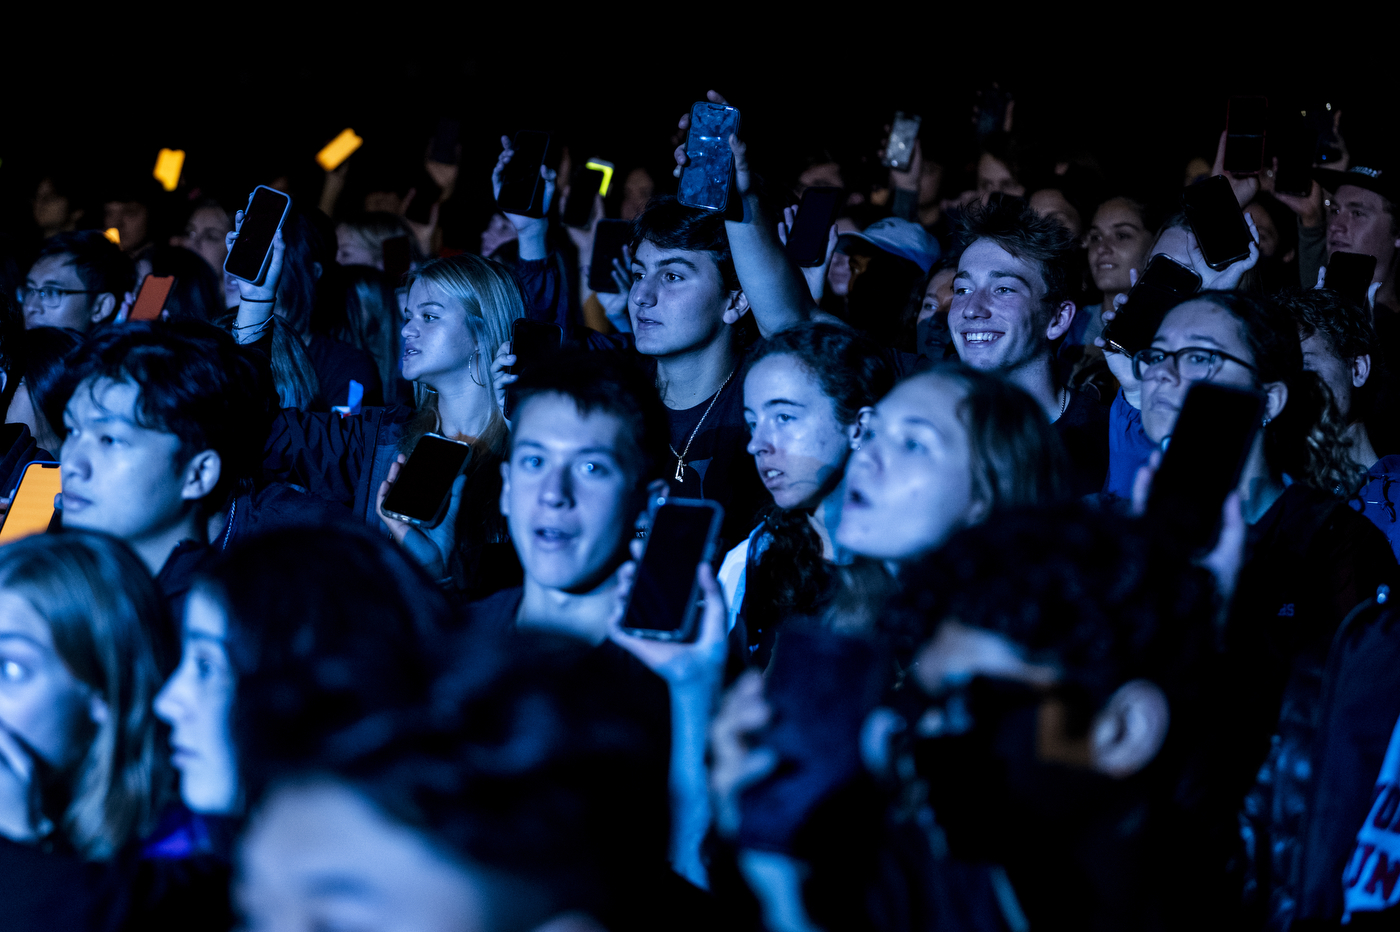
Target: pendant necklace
(680,457)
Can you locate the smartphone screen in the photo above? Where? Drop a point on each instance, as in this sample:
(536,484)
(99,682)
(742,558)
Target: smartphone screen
(32,509)
(583,188)
(522,188)
(1164,284)
(150,301)
(1217,221)
(398,257)
(806,245)
(1349,275)
(1213,435)
(609,236)
(420,493)
(904,132)
(1244,134)
(705,181)
(665,589)
(261,221)
(531,342)
(425,195)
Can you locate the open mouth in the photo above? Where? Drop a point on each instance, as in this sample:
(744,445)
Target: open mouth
(552,537)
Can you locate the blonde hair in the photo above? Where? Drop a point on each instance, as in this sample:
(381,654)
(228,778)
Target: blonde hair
(105,616)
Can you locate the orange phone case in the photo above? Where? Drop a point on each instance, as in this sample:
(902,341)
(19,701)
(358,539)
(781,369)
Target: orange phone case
(151,299)
(32,509)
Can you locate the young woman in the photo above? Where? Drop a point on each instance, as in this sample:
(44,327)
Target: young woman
(459,313)
(805,394)
(37,372)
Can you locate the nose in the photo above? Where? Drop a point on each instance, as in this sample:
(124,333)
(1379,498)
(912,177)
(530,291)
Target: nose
(759,442)
(643,293)
(556,489)
(971,306)
(167,706)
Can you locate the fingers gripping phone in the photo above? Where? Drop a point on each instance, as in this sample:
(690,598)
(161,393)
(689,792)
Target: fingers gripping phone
(665,599)
(806,244)
(705,181)
(1218,222)
(31,510)
(422,490)
(522,186)
(1164,284)
(267,210)
(531,342)
(150,301)
(1245,124)
(904,132)
(1212,438)
(1349,276)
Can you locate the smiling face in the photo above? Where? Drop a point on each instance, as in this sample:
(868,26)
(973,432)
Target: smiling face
(678,302)
(196,703)
(909,486)
(41,702)
(569,496)
(998,314)
(437,343)
(797,443)
(319,856)
(1195,323)
(1117,242)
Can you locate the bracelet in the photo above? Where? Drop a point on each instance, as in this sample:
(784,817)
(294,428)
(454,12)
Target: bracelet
(243,300)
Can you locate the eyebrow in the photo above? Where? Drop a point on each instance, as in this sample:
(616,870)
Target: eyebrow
(783,401)
(677,260)
(592,451)
(915,420)
(340,885)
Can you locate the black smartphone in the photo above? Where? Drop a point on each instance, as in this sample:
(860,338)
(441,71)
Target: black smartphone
(263,217)
(425,194)
(1349,275)
(609,236)
(806,244)
(522,187)
(445,147)
(398,258)
(705,181)
(420,494)
(1163,285)
(904,132)
(531,342)
(1214,432)
(821,686)
(666,590)
(1245,131)
(992,103)
(1217,220)
(1292,142)
(583,188)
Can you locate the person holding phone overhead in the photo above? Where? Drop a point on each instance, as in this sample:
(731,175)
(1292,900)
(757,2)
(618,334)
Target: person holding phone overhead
(1309,559)
(459,313)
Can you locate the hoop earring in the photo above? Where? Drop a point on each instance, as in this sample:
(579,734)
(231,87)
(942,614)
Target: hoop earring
(471,367)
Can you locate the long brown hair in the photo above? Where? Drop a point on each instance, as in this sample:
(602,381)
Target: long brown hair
(108,622)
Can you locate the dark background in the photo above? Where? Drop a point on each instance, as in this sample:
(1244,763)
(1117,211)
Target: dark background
(248,112)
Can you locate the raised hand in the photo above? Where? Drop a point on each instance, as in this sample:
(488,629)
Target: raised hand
(431,547)
(816,276)
(531,230)
(1244,186)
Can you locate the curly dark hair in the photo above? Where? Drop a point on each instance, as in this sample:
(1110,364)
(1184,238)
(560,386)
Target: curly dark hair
(1346,327)
(1011,224)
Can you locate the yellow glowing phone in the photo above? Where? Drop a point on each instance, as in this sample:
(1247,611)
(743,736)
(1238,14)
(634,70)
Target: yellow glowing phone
(338,150)
(32,509)
(169,164)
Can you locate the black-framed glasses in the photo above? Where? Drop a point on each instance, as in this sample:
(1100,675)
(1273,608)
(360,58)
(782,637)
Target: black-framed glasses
(48,297)
(1192,363)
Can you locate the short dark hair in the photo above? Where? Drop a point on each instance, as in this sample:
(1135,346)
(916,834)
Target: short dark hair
(1319,310)
(194,383)
(1011,224)
(99,264)
(613,384)
(668,224)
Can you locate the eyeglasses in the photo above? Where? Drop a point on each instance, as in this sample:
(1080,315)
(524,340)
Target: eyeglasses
(1192,363)
(48,297)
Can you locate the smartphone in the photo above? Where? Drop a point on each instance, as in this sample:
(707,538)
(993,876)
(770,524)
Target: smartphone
(266,211)
(338,150)
(904,132)
(585,185)
(425,194)
(1163,285)
(531,342)
(31,510)
(522,188)
(420,494)
(398,258)
(705,181)
(445,148)
(1213,435)
(169,164)
(821,686)
(666,590)
(1349,276)
(992,103)
(1217,220)
(150,300)
(609,236)
(806,244)
(1245,123)
(1293,143)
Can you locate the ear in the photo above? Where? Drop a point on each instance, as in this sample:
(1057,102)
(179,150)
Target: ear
(858,429)
(1275,397)
(317,268)
(505,487)
(103,307)
(1060,320)
(97,710)
(1130,729)
(1360,371)
(201,475)
(738,306)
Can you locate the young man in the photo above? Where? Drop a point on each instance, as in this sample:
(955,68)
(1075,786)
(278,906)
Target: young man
(162,422)
(79,281)
(1011,303)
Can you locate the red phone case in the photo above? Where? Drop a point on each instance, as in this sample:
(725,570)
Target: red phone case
(151,301)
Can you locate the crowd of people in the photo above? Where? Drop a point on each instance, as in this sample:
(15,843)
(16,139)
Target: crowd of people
(948,673)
